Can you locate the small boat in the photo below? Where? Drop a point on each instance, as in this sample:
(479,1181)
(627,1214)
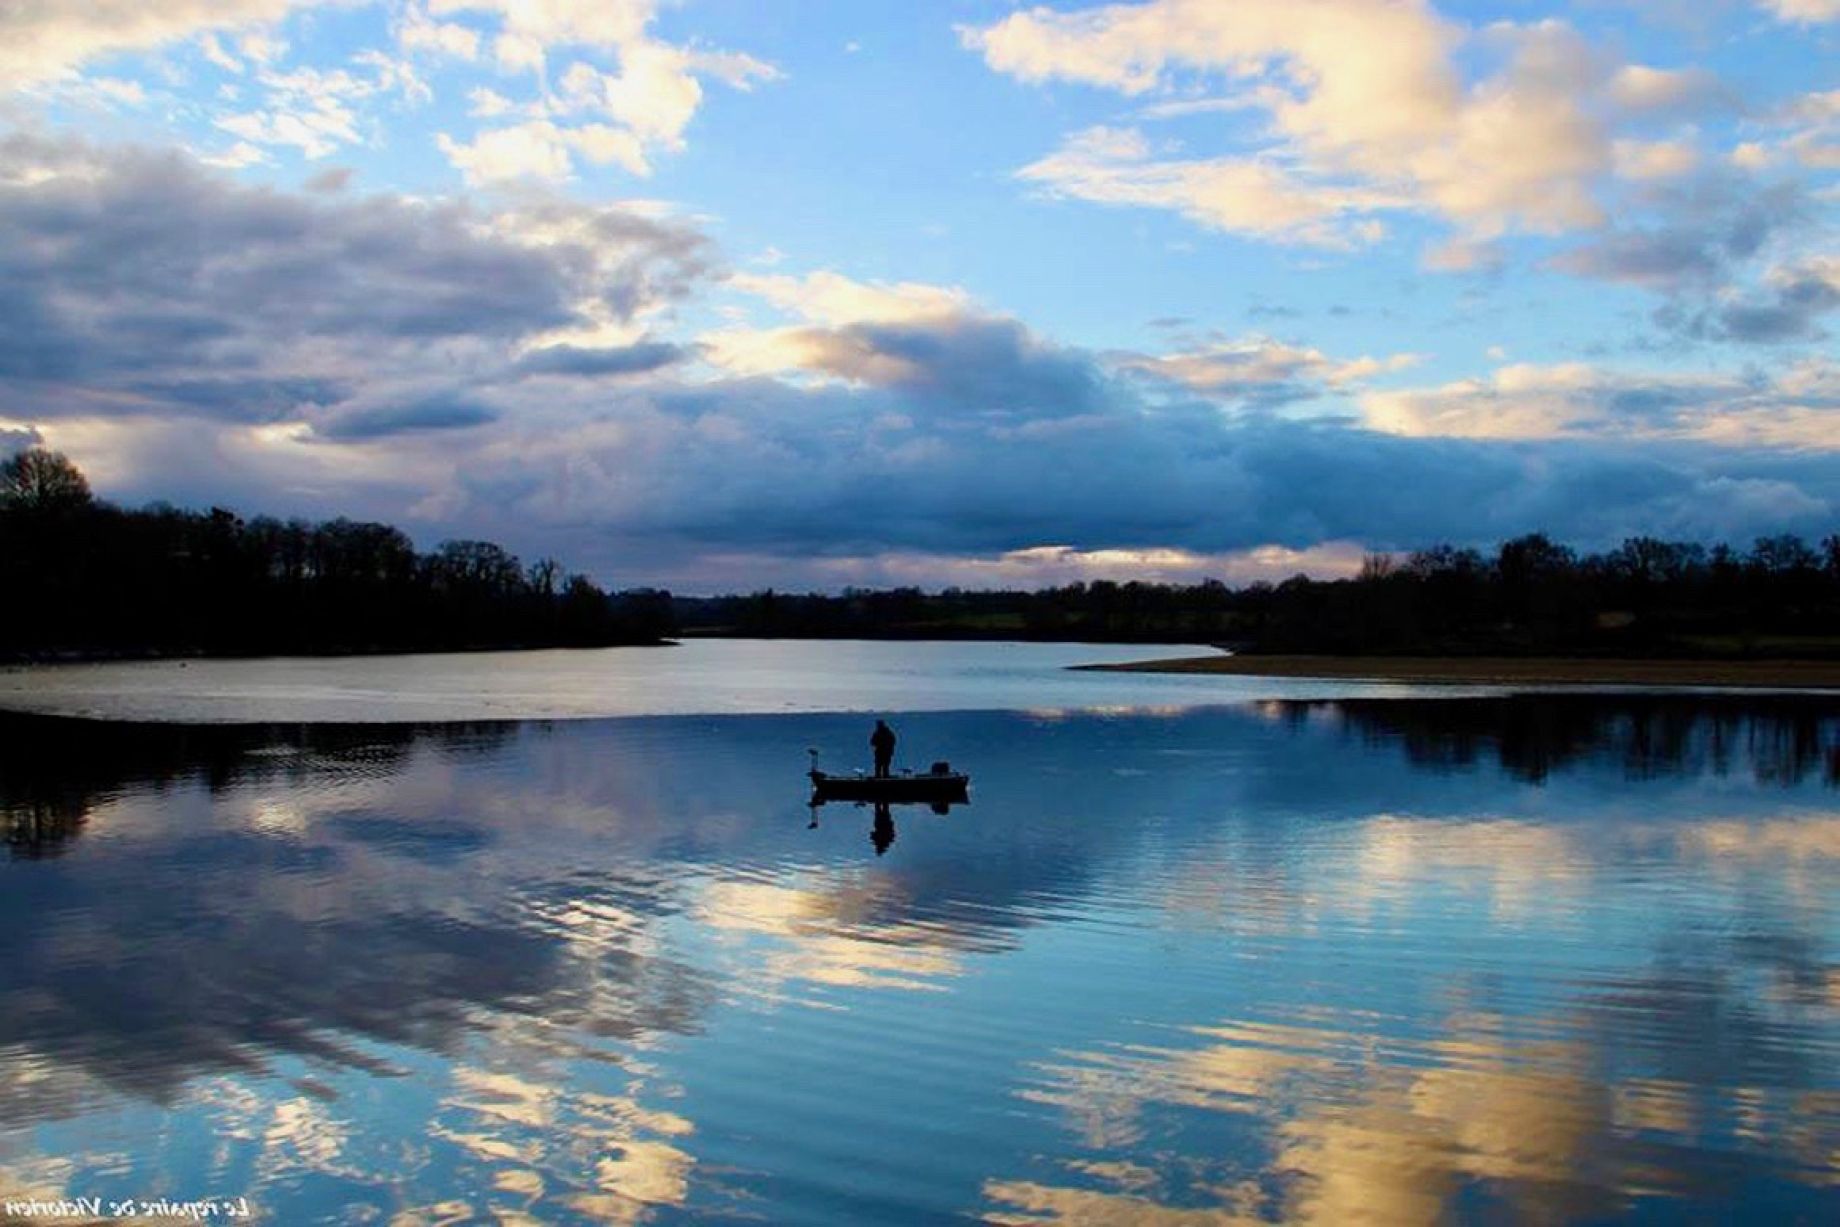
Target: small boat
(940,784)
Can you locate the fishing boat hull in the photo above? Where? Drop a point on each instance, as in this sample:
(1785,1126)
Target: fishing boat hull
(945,786)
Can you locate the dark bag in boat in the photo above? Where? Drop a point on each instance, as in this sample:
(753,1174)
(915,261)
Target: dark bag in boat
(942,767)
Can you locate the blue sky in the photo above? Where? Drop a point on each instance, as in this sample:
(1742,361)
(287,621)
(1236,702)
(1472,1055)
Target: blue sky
(716,294)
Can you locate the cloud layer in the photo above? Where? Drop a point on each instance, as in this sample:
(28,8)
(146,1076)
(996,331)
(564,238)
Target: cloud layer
(1344,119)
(515,353)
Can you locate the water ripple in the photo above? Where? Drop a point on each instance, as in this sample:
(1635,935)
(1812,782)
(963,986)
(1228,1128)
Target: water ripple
(1531,960)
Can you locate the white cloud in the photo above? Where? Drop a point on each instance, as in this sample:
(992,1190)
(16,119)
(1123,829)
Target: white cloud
(484,103)
(644,104)
(1812,123)
(1261,368)
(1750,155)
(1804,12)
(316,131)
(1655,159)
(1365,110)
(395,74)
(825,303)
(236,157)
(527,151)
(213,51)
(602,144)
(1252,195)
(44,41)
(105,93)
(262,46)
(835,300)
(1803,130)
(1459,255)
(528,30)
(1641,89)
(652,94)
(1796,409)
(418,32)
(318,110)
(540,150)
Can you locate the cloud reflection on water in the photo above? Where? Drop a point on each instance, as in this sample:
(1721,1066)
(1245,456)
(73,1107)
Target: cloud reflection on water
(1300,962)
(1519,1113)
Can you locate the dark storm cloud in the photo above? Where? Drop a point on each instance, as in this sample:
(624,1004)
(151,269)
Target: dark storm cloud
(166,257)
(249,399)
(1661,258)
(1791,310)
(137,270)
(1701,253)
(969,366)
(638,359)
(1704,229)
(332,179)
(852,471)
(966,435)
(630,260)
(440,412)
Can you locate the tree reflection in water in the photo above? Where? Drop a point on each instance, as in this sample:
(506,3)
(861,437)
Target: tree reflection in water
(1296,960)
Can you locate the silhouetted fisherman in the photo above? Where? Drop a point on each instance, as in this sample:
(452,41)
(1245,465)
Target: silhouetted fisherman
(882,742)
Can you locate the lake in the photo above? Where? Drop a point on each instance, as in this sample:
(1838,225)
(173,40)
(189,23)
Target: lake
(699,676)
(1189,956)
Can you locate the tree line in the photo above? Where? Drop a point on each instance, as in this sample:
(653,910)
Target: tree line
(82,577)
(1530,596)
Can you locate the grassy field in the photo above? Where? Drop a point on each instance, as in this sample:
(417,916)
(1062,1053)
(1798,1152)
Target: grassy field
(1500,670)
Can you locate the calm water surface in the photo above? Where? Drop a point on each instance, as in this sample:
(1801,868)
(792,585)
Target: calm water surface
(1537,959)
(695,677)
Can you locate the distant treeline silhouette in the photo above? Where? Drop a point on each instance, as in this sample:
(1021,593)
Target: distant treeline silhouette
(1532,596)
(83,577)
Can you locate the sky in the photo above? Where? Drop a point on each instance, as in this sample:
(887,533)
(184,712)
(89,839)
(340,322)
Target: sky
(716,295)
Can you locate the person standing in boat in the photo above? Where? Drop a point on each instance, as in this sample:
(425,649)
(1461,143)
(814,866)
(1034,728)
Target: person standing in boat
(882,742)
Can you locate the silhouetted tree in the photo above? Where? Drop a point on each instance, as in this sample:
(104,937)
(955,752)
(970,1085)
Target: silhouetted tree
(104,580)
(40,480)
(1783,555)
(161,579)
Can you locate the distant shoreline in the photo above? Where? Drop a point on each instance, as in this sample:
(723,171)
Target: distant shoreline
(75,656)
(1503,670)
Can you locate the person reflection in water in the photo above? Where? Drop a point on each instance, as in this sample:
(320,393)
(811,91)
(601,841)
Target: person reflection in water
(882,833)
(882,742)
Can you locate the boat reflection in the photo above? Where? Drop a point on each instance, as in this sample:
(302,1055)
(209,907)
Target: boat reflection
(882,830)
